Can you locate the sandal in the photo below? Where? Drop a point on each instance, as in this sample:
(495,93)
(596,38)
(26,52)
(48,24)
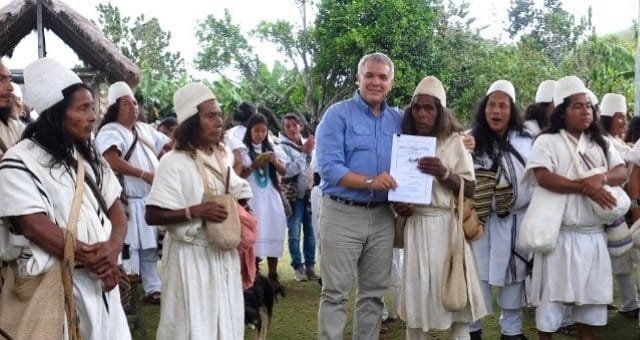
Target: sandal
(153,298)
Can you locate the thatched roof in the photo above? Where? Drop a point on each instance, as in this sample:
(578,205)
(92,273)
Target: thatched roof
(18,18)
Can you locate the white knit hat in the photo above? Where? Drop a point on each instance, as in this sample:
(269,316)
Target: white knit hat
(17,91)
(44,80)
(613,103)
(117,90)
(432,86)
(592,97)
(503,86)
(544,94)
(567,87)
(187,99)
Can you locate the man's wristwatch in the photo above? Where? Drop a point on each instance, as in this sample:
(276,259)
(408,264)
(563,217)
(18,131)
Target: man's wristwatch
(369,182)
(634,203)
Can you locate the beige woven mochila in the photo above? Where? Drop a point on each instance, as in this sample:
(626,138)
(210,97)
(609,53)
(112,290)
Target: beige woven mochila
(35,308)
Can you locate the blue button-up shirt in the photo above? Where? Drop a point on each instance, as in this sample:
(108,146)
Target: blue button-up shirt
(351,138)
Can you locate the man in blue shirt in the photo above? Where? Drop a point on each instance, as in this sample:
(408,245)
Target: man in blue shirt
(356,224)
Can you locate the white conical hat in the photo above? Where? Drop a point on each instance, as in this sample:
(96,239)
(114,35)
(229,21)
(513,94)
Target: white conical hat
(503,86)
(544,94)
(44,80)
(613,103)
(187,99)
(117,90)
(567,87)
(432,86)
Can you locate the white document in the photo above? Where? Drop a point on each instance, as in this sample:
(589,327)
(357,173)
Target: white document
(414,186)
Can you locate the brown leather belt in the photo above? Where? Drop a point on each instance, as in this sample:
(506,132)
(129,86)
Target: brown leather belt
(368,205)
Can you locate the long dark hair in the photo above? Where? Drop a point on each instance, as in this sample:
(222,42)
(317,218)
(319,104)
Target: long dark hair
(111,115)
(538,112)
(49,132)
(254,120)
(594,131)
(444,126)
(605,124)
(486,139)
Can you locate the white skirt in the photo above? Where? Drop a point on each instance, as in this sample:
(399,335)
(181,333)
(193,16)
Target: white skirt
(272,221)
(427,241)
(577,271)
(201,293)
(140,235)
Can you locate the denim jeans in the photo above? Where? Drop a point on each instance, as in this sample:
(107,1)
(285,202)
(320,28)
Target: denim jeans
(301,219)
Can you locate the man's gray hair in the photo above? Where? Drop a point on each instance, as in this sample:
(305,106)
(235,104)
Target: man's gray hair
(376,57)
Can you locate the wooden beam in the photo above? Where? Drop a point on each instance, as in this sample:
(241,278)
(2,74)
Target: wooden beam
(42,49)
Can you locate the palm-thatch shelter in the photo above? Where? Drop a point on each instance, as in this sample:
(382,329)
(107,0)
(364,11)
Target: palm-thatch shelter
(104,59)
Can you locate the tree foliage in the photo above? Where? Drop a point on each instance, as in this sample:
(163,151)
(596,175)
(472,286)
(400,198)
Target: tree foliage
(146,44)
(550,27)
(427,37)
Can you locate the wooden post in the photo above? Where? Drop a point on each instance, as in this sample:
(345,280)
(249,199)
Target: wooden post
(42,49)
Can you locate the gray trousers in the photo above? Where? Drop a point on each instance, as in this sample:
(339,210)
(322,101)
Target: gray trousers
(356,243)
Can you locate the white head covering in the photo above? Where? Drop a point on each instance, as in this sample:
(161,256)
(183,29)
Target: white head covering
(117,90)
(544,94)
(44,80)
(567,87)
(432,86)
(613,103)
(592,97)
(187,99)
(503,86)
(17,91)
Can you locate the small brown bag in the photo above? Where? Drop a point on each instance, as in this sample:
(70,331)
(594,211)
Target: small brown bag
(471,225)
(454,283)
(225,235)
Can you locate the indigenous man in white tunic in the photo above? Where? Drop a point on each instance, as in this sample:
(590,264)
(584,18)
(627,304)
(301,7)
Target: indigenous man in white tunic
(502,148)
(428,231)
(10,127)
(202,284)
(132,149)
(10,132)
(577,272)
(613,120)
(37,186)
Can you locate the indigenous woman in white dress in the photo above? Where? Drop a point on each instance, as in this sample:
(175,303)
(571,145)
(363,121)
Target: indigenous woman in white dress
(202,284)
(502,148)
(263,164)
(37,187)
(536,117)
(132,149)
(577,272)
(613,121)
(428,235)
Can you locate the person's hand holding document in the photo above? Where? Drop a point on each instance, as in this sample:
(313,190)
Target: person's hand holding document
(414,186)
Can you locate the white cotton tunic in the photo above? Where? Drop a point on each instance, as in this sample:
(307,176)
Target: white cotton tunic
(202,285)
(269,211)
(494,250)
(532,127)
(140,235)
(29,185)
(10,135)
(578,270)
(624,264)
(428,239)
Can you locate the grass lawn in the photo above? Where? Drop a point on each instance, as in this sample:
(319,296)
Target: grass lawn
(295,317)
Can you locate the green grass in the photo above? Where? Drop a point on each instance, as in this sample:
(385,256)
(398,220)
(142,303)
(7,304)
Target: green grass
(295,317)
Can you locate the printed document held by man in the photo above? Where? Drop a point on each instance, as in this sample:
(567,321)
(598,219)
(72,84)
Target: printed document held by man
(414,186)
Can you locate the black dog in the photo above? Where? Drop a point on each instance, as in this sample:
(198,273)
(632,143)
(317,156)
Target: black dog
(258,304)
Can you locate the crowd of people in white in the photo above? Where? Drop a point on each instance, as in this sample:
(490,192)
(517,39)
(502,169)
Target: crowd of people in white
(538,208)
